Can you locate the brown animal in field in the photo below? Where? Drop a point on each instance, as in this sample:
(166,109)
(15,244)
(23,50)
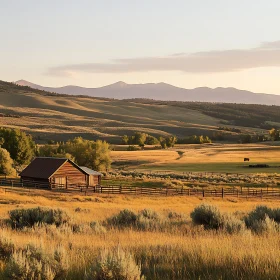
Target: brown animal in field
(246,159)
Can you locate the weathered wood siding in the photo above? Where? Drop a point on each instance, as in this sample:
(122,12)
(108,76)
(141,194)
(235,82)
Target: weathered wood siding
(72,174)
(94,180)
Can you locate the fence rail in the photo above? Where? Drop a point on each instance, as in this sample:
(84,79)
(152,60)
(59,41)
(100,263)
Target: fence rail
(242,192)
(218,192)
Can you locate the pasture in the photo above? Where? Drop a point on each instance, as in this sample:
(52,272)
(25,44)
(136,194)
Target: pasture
(219,158)
(176,250)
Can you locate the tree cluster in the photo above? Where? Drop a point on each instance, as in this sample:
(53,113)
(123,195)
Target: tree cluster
(141,139)
(92,154)
(16,149)
(195,139)
(20,145)
(274,134)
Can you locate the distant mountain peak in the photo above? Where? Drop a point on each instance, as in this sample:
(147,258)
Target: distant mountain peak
(23,83)
(165,92)
(119,84)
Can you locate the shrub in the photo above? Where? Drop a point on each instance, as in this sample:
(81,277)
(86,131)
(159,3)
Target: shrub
(174,215)
(263,219)
(97,227)
(20,218)
(258,214)
(265,225)
(207,215)
(232,225)
(32,263)
(125,218)
(148,219)
(116,264)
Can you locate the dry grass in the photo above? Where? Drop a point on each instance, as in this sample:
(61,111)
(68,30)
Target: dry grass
(98,118)
(183,253)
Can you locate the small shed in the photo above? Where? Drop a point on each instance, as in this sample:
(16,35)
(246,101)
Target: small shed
(94,177)
(53,172)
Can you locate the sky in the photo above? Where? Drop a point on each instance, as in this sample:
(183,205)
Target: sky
(187,43)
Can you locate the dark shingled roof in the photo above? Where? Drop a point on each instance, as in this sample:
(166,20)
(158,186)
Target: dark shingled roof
(43,167)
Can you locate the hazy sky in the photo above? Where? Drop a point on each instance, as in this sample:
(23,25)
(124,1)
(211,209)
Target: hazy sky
(182,42)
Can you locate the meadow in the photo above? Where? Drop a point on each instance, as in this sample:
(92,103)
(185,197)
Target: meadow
(173,248)
(216,157)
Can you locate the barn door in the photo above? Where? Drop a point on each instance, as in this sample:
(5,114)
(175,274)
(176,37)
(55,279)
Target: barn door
(60,181)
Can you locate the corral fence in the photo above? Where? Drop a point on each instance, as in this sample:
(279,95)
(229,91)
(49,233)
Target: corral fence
(204,192)
(242,192)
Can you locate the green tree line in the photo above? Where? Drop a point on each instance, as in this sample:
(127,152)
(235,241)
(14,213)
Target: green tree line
(141,139)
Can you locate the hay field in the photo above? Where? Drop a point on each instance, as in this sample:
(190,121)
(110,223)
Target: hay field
(202,158)
(181,252)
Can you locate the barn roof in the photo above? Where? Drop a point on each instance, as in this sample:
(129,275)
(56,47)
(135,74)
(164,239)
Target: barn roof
(45,167)
(90,171)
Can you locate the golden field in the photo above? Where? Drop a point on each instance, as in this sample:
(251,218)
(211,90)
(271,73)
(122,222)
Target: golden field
(180,252)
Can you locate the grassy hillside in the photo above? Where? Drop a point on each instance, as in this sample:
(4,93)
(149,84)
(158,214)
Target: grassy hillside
(60,117)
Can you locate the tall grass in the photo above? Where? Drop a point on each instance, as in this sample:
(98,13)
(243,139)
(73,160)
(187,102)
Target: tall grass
(168,246)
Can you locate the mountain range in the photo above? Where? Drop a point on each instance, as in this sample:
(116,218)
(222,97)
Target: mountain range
(165,92)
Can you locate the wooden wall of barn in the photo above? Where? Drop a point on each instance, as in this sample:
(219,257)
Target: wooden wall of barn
(94,180)
(72,173)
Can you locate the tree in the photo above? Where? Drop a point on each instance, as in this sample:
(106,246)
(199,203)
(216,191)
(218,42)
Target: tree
(20,145)
(162,142)
(101,159)
(125,139)
(140,138)
(151,140)
(170,141)
(95,155)
(6,163)
(274,134)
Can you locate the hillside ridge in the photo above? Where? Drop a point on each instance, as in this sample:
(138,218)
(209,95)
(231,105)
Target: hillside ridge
(165,92)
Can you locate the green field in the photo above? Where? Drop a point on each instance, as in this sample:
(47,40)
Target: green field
(219,158)
(213,167)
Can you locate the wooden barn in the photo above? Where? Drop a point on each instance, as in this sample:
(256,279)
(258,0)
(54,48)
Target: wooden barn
(62,172)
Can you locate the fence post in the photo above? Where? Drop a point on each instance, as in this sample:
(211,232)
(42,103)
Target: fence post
(222,192)
(261,193)
(203,193)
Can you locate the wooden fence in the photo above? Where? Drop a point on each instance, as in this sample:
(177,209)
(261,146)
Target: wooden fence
(206,192)
(242,192)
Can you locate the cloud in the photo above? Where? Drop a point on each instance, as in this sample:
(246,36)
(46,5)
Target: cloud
(266,55)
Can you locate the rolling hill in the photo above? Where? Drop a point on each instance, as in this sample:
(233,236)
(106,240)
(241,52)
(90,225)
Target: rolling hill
(162,91)
(51,116)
